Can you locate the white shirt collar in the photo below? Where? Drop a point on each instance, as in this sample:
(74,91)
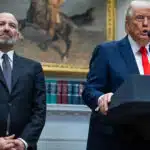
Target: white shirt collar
(9,53)
(135,47)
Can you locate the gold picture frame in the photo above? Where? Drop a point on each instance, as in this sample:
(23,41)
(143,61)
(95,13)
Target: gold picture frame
(72,71)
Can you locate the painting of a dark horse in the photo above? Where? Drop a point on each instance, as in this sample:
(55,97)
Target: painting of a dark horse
(39,17)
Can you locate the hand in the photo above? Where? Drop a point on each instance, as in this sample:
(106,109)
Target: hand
(7,142)
(19,145)
(9,137)
(104,101)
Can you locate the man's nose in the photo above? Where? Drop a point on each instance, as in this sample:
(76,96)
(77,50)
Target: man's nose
(6,27)
(145,23)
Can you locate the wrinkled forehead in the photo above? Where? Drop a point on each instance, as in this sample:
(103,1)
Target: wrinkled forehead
(138,10)
(8,17)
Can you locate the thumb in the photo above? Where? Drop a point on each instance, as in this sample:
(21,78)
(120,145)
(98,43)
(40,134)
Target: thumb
(9,137)
(109,97)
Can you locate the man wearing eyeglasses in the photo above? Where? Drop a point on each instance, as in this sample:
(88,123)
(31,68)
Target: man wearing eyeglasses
(110,65)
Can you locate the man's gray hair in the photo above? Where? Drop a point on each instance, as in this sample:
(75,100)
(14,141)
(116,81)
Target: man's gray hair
(137,4)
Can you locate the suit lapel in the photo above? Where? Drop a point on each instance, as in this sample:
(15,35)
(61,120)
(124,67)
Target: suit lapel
(17,70)
(128,56)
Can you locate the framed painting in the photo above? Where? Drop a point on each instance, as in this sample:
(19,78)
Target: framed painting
(62,34)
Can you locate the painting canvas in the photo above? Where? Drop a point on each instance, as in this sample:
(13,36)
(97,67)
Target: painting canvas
(81,26)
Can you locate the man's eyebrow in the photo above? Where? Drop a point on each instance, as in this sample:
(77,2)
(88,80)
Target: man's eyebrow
(13,22)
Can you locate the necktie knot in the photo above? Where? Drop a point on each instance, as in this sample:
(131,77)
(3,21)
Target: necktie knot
(143,50)
(145,61)
(5,57)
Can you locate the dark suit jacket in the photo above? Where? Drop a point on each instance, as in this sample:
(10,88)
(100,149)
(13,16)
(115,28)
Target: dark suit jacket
(110,65)
(26,103)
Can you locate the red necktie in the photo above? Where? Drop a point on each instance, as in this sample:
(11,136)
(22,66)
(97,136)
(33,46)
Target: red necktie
(145,62)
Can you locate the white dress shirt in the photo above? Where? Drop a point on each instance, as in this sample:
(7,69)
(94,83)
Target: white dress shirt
(10,55)
(135,48)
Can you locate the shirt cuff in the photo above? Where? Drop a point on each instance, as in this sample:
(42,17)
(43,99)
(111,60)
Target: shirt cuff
(25,143)
(97,108)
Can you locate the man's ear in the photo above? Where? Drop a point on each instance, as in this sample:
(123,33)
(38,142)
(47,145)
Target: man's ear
(19,36)
(126,26)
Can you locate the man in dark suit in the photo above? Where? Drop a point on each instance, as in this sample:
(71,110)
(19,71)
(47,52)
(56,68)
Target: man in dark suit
(110,65)
(22,92)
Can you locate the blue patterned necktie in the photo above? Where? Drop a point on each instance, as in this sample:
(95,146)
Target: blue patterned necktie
(7,70)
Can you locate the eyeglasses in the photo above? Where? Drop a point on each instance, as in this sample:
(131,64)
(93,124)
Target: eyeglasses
(141,18)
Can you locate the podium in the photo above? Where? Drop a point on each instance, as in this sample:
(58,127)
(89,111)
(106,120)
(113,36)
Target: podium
(131,102)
